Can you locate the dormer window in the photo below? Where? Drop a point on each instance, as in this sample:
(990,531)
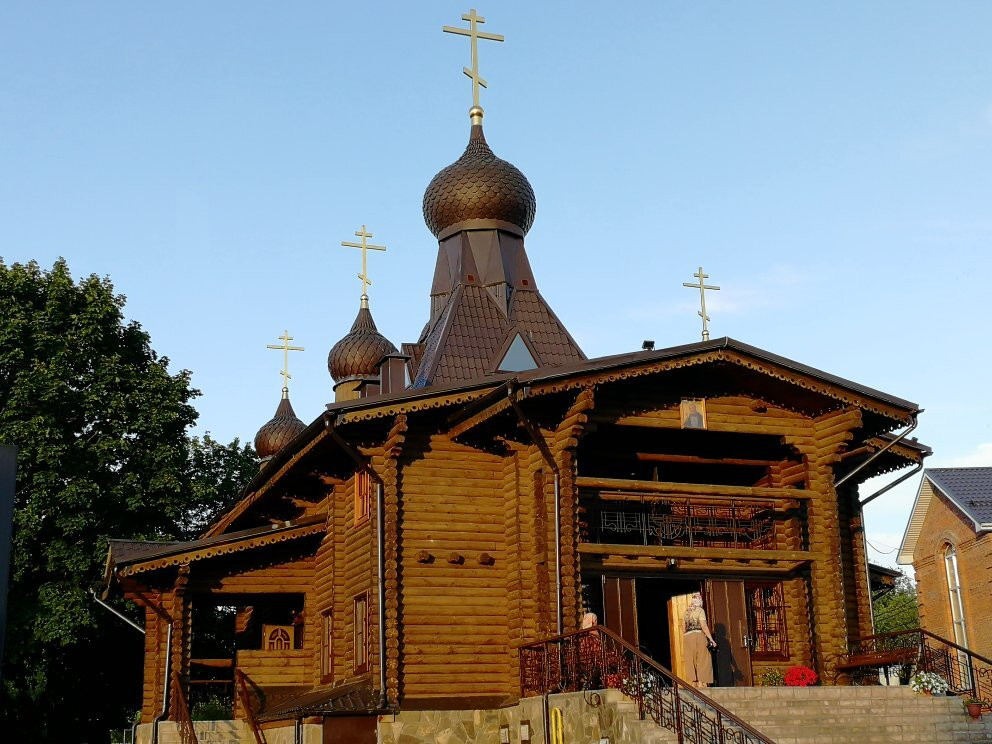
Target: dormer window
(517,357)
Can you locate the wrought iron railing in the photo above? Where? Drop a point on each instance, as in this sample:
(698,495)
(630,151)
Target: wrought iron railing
(187,732)
(244,697)
(683,522)
(597,658)
(965,672)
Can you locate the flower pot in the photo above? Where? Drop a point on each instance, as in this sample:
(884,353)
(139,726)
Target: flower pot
(974,710)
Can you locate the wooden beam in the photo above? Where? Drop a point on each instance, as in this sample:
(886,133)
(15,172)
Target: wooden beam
(648,498)
(702,489)
(693,459)
(689,566)
(671,551)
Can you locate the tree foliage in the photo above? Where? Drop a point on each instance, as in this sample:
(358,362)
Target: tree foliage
(102,430)
(897,609)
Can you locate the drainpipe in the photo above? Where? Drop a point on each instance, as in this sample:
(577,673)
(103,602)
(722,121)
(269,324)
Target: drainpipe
(381,591)
(123,617)
(542,446)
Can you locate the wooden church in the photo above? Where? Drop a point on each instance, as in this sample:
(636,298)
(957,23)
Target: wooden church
(484,487)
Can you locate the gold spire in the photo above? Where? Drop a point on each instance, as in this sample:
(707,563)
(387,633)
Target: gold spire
(285,348)
(365,248)
(474,34)
(702,299)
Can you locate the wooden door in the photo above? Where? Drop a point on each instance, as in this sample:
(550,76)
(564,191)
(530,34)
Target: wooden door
(620,607)
(727,616)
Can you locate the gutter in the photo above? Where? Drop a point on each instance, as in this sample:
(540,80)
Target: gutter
(886,448)
(542,446)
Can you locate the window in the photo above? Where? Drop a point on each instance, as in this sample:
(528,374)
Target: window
(278,639)
(517,357)
(363,496)
(361,643)
(766,620)
(954,594)
(327,646)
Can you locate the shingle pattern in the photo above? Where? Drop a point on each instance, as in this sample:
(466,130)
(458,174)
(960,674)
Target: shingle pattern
(278,431)
(128,550)
(358,354)
(547,334)
(479,185)
(470,331)
(416,353)
(970,488)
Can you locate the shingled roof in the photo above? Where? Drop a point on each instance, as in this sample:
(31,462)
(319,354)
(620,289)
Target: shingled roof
(969,490)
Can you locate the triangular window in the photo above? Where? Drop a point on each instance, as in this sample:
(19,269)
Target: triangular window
(517,358)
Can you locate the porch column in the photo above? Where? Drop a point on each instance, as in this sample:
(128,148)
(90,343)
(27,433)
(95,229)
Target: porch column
(180,613)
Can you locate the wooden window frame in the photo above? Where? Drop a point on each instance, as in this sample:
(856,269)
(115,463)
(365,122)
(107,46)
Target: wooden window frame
(361,632)
(364,494)
(326,646)
(758,636)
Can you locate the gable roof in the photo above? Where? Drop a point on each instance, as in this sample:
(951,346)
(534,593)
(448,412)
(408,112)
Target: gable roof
(969,490)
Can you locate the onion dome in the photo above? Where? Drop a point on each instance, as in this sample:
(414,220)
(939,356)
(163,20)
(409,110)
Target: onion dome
(479,186)
(279,430)
(358,354)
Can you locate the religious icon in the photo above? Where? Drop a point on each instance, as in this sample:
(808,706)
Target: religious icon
(693,413)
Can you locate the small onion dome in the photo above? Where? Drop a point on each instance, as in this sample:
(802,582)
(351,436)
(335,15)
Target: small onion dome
(279,430)
(358,354)
(479,186)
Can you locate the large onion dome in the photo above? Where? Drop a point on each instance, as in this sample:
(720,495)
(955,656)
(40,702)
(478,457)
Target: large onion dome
(279,430)
(479,187)
(358,354)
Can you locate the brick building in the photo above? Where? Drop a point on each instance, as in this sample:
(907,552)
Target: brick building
(949,543)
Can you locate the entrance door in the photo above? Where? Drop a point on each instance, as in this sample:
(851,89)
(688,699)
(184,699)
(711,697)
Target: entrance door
(620,607)
(727,615)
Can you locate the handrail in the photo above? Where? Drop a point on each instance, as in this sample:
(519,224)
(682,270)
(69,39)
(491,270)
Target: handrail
(241,685)
(965,672)
(597,657)
(924,631)
(184,722)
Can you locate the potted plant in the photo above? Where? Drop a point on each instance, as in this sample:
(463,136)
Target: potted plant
(772,678)
(974,707)
(928,683)
(800,676)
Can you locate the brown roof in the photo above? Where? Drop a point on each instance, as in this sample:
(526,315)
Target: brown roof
(479,186)
(150,555)
(358,354)
(278,431)
(343,699)
(464,341)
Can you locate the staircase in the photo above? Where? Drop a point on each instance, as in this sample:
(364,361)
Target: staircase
(863,715)
(209,732)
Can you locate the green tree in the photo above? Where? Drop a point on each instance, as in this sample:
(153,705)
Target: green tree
(102,430)
(897,609)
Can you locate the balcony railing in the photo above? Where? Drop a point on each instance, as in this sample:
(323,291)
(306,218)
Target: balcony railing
(631,519)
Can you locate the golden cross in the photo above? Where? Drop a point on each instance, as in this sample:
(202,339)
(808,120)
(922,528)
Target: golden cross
(365,248)
(702,299)
(474,34)
(285,348)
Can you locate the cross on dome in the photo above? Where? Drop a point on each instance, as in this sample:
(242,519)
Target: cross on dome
(285,348)
(365,247)
(474,34)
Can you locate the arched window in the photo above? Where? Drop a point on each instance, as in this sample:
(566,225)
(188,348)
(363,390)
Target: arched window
(954,594)
(279,640)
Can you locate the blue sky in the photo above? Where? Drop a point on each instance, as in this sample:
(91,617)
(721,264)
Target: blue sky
(829,164)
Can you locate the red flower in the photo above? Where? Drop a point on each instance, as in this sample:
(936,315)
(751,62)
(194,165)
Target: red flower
(800,676)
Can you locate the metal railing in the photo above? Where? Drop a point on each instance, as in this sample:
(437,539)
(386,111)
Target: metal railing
(244,697)
(597,658)
(187,732)
(965,672)
(684,522)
